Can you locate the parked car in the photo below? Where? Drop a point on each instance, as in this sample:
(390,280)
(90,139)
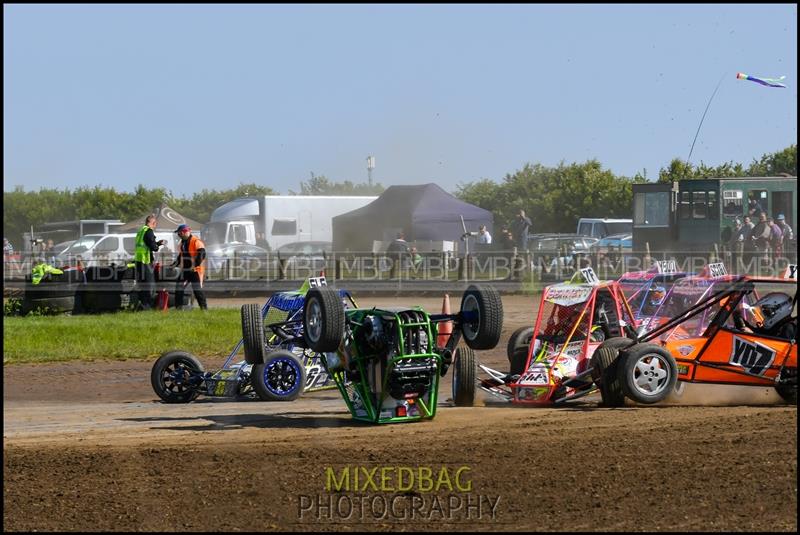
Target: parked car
(106,249)
(551,249)
(601,227)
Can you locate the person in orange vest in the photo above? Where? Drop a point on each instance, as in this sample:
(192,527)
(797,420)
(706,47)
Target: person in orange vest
(191,260)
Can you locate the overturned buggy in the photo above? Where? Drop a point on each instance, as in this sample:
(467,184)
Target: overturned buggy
(386,362)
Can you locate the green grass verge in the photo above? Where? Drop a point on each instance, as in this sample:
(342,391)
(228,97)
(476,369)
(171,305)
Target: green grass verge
(119,336)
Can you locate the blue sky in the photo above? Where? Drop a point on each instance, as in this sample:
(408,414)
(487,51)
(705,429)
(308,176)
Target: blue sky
(194,96)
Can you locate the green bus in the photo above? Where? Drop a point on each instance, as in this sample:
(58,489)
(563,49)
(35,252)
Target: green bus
(690,216)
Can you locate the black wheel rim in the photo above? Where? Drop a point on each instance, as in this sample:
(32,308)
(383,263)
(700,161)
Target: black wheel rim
(281,376)
(176,378)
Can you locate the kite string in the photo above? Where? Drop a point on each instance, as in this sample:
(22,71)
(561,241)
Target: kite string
(689,158)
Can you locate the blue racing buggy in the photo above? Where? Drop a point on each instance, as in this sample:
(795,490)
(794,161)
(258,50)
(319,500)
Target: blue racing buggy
(277,365)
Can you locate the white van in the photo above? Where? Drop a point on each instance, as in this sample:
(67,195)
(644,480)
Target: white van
(601,227)
(106,249)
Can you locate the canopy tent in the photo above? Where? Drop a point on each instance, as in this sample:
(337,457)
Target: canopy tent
(423,212)
(167,219)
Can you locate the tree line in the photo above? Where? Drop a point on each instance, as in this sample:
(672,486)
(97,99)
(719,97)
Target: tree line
(555,197)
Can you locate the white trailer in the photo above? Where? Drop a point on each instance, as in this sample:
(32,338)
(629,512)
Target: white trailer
(279,219)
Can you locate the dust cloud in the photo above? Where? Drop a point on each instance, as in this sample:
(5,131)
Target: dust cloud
(709,394)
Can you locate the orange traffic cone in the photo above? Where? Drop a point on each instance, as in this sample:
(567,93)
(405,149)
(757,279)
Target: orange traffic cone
(445,327)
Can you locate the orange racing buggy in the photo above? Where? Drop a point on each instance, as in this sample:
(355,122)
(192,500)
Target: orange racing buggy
(750,340)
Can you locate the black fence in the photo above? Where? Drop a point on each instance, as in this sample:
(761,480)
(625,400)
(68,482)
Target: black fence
(512,265)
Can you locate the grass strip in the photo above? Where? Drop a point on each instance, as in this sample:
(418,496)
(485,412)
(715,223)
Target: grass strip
(119,336)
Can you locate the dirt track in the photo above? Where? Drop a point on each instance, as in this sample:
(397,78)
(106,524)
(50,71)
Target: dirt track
(87,447)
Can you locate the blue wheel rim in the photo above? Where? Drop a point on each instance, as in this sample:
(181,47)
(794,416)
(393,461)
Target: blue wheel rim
(282,376)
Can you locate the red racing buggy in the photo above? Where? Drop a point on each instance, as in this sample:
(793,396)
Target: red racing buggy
(550,362)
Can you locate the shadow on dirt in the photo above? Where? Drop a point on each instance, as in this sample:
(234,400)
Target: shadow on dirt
(258,421)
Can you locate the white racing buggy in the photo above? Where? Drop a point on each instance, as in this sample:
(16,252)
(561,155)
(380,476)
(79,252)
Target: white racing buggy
(277,365)
(554,361)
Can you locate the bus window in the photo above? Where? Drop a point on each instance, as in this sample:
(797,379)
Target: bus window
(732,203)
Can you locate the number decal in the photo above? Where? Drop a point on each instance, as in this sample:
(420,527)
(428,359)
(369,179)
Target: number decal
(589,276)
(752,356)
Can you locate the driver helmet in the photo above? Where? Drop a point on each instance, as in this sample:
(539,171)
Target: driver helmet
(775,307)
(657,295)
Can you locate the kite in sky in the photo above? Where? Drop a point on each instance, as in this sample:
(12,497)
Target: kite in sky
(769,82)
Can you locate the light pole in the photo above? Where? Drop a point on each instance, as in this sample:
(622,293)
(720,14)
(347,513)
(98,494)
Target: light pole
(370,167)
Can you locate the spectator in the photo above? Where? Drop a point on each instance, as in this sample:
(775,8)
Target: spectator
(506,240)
(484,238)
(760,236)
(775,239)
(737,242)
(416,258)
(42,271)
(521,228)
(398,250)
(49,252)
(754,208)
(747,233)
(8,249)
(191,259)
(788,234)
(146,245)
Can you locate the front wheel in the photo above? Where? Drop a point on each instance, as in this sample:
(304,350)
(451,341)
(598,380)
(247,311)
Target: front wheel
(323,319)
(520,338)
(464,377)
(253,333)
(605,361)
(281,377)
(648,373)
(176,377)
(481,317)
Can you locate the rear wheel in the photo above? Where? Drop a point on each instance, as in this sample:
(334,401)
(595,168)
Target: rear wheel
(648,373)
(253,333)
(518,360)
(176,377)
(481,317)
(323,319)
(787,385)
(788,393)
(520,337)
(464,377)
(281,377)
(604,370)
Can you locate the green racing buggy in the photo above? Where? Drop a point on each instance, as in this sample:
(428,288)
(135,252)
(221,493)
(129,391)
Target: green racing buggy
(386,362)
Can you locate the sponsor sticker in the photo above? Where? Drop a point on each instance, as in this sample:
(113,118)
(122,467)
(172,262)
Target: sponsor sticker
(683,369)
(567,294)
(754,357)
(536,376)
(685,351)
(791,272)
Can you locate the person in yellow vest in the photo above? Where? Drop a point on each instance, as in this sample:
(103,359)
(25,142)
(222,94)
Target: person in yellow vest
(42,270)
(191,260)
(146,245)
